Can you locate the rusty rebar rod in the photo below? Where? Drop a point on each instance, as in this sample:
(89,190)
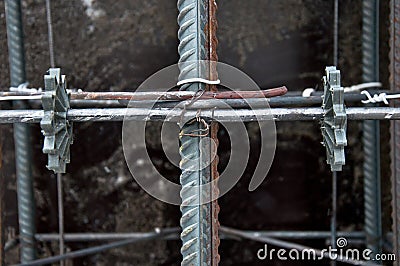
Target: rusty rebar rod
(213,57)
(162,96)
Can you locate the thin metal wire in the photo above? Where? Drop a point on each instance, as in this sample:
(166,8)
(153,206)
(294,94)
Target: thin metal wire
(333,213)
(334,173)
(60,215)
(50,33)
(59,176)
(336,32)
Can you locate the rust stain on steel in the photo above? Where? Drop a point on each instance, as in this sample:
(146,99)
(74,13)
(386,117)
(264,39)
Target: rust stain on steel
(212,43)
(177,95)
(246,94)
(215,191)
(395,125)
(165,96)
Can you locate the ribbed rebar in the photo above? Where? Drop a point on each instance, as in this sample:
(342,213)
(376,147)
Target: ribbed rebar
(2,198)
(195,221)
(371,166)
(26,206)
(395,125)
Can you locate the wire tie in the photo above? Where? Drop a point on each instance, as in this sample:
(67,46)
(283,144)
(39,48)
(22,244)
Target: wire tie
(197,80)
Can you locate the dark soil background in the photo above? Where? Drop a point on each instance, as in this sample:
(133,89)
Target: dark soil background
(104,45)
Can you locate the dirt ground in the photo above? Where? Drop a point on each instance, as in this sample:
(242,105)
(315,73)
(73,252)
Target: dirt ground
(104,45)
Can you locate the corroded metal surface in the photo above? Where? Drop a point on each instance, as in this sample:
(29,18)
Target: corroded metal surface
(213,57)
(170,95)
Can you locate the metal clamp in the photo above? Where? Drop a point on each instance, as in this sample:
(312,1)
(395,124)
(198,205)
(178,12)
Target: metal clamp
(334,121)
(56,129)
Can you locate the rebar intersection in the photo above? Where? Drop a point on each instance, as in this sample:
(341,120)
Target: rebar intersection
(196,235)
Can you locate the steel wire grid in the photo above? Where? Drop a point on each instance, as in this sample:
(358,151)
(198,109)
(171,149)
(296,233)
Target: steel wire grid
(279,114)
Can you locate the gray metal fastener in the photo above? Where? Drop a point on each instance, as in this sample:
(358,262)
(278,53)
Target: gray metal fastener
(334,120)
(56,128)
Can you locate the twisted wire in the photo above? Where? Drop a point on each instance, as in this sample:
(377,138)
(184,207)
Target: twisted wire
(371,166)
(26,206)
(195,221)
(395,125)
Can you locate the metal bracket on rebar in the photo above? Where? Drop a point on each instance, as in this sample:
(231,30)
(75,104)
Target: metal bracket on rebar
(334,120)
(56,128)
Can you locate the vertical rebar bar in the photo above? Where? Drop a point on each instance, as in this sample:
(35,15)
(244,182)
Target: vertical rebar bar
(371,166)
(395,125)
(195,221)
(2,210)
(213,58)
(26,206)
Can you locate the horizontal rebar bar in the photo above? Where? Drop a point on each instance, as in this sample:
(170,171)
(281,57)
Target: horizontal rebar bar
(291,99)
(174,115)
(94,250)
(89,237)
(157,95)
(173,234)
(282,101)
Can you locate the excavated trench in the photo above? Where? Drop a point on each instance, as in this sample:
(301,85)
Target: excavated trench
(115,45)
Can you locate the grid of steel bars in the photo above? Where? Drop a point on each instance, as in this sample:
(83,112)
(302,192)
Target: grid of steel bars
(117,114)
